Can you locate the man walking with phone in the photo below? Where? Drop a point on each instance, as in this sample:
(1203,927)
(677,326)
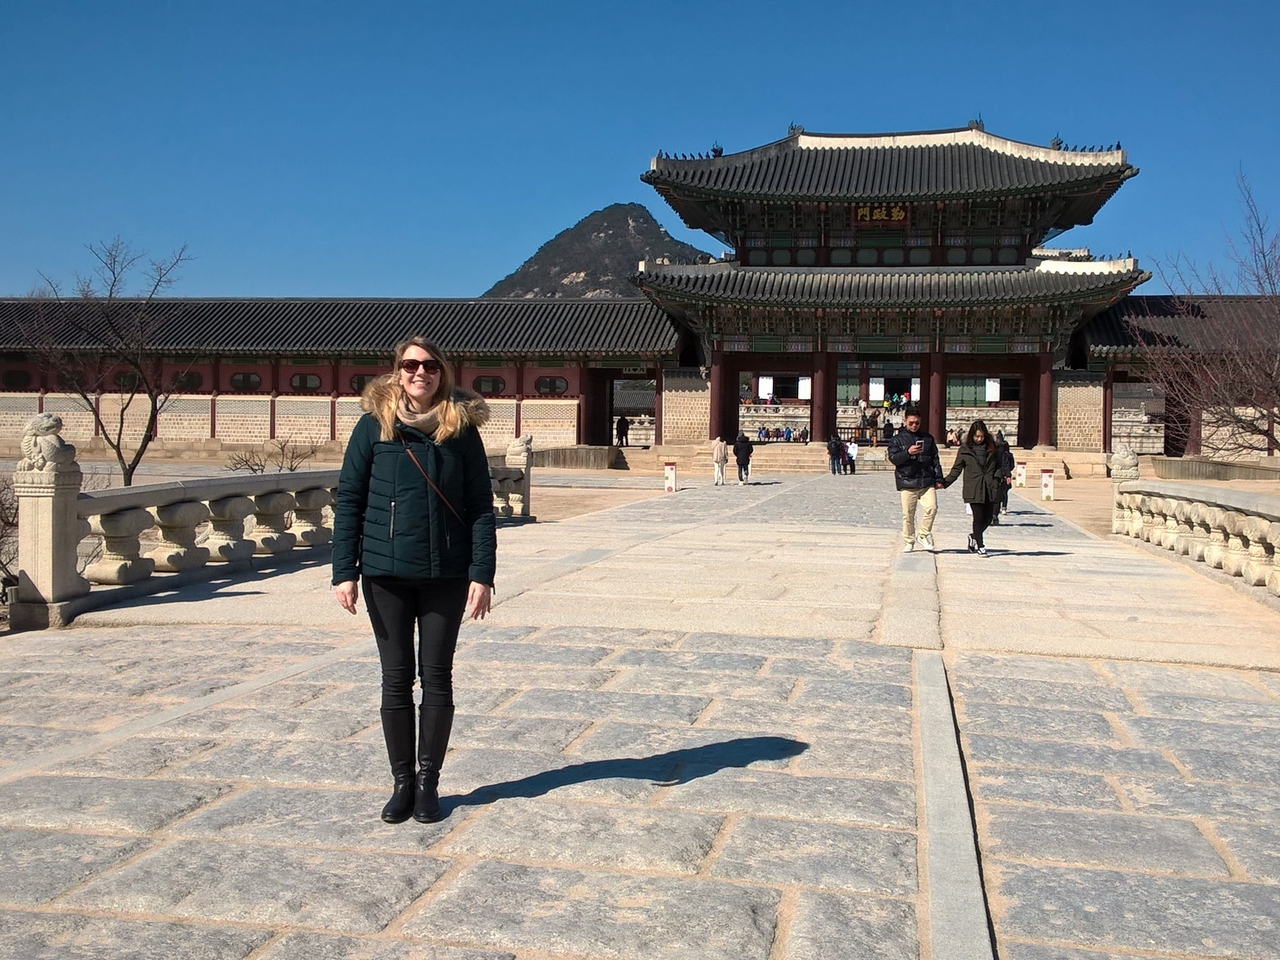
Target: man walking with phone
(918,475)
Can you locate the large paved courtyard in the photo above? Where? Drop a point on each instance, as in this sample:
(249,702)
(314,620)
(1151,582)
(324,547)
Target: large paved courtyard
(729,723)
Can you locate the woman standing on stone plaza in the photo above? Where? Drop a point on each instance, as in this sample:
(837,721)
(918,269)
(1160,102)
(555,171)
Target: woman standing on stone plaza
(983,467)
(414,521)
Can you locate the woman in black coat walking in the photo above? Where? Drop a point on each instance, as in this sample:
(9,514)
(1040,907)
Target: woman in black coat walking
(985,475)
(414,520)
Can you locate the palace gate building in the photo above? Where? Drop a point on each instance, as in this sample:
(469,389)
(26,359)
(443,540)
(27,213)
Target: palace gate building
(907,264)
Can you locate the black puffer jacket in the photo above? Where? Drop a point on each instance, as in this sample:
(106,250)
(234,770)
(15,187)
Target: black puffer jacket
(917,472)
(388,522)
(983,477)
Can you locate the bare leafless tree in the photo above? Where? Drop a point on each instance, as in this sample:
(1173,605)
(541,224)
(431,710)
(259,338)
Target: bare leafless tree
(105,339)
(278,456)
(1216,353)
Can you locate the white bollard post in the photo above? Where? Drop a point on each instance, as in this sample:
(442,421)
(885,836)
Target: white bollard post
(1046,484)
(1020,474)
(669,477)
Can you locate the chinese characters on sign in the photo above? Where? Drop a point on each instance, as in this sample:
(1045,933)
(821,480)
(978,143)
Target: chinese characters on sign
(877,214)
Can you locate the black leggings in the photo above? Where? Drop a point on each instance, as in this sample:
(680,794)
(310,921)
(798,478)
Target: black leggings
(437,606)
(982,514)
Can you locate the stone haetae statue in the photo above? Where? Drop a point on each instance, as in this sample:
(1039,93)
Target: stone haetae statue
(42,447)
(1124,463)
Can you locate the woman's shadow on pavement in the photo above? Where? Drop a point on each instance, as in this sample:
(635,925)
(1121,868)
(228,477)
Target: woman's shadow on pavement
(667,769)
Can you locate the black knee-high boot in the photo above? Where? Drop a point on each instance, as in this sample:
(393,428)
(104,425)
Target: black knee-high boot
(397,730)
(434,727)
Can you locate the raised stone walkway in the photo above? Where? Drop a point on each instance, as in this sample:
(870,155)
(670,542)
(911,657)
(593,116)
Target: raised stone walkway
(717,724)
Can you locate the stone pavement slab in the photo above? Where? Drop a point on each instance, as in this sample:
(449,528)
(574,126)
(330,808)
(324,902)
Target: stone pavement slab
(705,725)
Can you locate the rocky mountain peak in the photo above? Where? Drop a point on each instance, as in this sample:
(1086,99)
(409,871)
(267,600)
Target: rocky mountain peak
(595,256)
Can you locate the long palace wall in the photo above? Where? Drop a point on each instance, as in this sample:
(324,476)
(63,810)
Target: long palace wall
(209,422)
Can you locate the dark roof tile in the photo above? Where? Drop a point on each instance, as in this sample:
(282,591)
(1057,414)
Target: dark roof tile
(1052,281)
(363,326)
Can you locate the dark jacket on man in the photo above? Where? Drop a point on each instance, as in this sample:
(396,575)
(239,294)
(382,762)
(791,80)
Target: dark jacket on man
(917,472)
(742,448)
(984,474)
(389,522)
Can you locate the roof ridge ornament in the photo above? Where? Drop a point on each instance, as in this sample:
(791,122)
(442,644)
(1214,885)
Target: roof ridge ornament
(795,129)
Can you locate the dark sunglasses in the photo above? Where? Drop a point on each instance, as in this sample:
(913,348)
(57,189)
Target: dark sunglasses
(411,366)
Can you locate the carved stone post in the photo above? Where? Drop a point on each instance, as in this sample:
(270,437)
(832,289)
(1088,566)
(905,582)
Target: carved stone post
(1170,535)
(1182,535)
(1147,505)
(271,521)
(1257,569)
(121,560)
(1216,551)
(227,542)
(1237,545)
(503,482)
(177,549)
(308,522)
(1123,466)
(47,484)
(1273,578)
(1199,543)
(520,457)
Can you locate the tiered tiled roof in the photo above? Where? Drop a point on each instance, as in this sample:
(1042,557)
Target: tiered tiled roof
(966,163)
(1049,281)
(363,326)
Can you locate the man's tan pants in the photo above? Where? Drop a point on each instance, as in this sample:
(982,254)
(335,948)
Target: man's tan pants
(926,498)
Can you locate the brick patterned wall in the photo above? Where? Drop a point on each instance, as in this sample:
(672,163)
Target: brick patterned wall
(15,410)
(686,407)
(77,422)
(244,419)
(552,423)
(1222,444)
(349,414)
(302,419)
(185,418)
(501,428)
(1077,412)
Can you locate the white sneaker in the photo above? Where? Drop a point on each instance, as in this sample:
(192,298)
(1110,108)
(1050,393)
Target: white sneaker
(908,547)
(926,541)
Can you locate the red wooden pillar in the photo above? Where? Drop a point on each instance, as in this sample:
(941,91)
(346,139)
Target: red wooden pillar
(1044,432)
(937,394)
(275,391)
(584,407)
(657,406)
(822,408)
(716,424)
(864,382)
(519,393)
(213,398)
(1108,385)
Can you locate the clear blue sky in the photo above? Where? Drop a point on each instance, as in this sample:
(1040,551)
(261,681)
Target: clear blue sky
(427,149)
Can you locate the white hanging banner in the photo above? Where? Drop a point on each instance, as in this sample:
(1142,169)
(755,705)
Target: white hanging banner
(806,388)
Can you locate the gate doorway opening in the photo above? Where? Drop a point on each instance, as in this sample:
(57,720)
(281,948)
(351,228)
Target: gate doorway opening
(636,399)
(775,407)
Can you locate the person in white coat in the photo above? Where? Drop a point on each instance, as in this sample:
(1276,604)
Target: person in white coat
(719,457)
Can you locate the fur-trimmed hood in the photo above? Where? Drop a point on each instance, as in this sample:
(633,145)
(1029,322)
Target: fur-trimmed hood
(381,397)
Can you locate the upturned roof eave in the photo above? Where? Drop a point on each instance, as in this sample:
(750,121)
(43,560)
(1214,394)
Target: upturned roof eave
(1118,289)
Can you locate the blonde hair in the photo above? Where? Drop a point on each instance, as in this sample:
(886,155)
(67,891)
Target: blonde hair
(450,416)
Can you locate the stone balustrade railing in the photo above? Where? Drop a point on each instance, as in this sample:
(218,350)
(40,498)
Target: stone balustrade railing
(1233,531)
(197,523)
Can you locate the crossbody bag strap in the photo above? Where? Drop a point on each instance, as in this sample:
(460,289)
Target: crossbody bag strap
(439,492)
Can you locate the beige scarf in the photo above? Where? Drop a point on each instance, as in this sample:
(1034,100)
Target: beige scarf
(422,422)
